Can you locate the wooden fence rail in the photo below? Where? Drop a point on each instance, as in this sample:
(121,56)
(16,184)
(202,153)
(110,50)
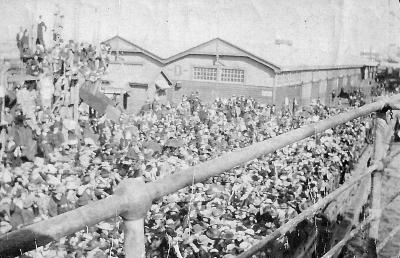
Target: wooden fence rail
(133,198)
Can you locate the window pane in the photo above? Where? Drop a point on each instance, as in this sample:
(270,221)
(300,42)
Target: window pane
(204,73)
(232,75)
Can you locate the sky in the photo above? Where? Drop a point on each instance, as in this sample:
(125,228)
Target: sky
(320,30)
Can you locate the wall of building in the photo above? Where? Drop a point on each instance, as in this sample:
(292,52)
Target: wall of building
(136,68)
(256,74)
(289,91)
(309,86)
(145,66)
(258,79)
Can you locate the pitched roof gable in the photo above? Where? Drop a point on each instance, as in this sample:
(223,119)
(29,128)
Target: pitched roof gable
(222,47)
(118,43)
(210,47)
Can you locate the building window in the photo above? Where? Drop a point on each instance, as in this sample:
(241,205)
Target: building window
(232,75)
(205,74)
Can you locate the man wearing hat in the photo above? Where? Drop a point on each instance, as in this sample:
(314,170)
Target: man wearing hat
(41,27)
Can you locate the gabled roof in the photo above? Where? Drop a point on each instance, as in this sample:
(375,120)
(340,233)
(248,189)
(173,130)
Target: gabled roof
(223,48)
(118,43)
(211,47)
(267,55)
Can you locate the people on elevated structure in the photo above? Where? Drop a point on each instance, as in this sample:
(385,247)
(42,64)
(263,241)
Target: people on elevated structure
(47,92)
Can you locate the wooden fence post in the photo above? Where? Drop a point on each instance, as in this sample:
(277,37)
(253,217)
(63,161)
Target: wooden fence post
(380,149)
(134,242)
(134,238)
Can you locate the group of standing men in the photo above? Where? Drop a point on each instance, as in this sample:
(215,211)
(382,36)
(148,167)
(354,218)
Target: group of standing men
(23,41)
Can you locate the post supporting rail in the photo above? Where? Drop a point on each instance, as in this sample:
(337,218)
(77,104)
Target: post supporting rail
(134,238)
(134,242)
(380,149)
(132,199)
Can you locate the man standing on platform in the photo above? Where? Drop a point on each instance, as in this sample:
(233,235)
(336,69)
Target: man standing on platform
(25,43)
(20,46)
(40,27)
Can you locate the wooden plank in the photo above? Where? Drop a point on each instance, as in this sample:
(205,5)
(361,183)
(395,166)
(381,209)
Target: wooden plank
(96,100)
(134,238)
(380,149)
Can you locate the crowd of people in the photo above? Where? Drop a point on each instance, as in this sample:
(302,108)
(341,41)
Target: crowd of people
(68,58)
(378,90)
(226,215)
(45,100)
(25,41)
(53,161)
(355,97)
